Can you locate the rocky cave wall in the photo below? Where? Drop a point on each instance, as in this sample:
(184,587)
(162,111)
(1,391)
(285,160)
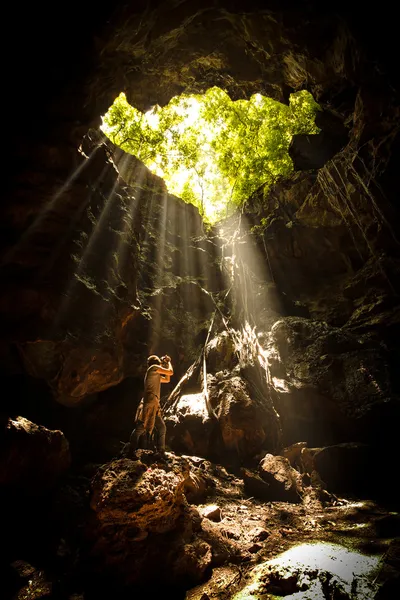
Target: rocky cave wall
(332,254)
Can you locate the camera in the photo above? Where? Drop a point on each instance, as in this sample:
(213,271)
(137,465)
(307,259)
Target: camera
(165,360)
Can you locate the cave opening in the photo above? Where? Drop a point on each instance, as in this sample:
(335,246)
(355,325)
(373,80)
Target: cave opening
(210,150)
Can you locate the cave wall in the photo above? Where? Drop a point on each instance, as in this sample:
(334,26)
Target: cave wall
(70,74)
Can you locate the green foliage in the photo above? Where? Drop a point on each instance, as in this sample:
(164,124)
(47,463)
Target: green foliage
(211,151)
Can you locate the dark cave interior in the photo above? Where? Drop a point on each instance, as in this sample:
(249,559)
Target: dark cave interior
(282,324)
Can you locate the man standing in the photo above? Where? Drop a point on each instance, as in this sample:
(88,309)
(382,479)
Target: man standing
(149,414)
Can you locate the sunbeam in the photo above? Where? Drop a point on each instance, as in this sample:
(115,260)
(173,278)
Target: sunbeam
(49,211)
(118,220)
(157,306)
(90,259)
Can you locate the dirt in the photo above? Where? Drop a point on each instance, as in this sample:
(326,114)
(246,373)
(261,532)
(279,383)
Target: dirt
(244,533)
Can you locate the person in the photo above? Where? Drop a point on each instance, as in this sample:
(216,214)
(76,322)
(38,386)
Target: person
(148,415)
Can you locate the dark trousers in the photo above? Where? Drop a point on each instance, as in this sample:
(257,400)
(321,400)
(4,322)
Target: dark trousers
(140,430)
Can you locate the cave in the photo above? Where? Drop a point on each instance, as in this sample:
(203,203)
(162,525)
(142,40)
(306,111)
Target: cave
(281,320)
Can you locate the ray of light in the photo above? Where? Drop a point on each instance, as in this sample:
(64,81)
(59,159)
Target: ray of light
(89,258)
(157,296)
(47,210)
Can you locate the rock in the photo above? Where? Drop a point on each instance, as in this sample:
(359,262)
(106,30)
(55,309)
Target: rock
(221,354)
(238,421)
(390,588)
(32,458)
(313,151)
(254,548)
(389,574)
(329,382)
(212,512)
(191,562)
(293,453)
(198,486)
(153,497)
(65,343)
(255,486)
(244,422)
(85,203)
(201,481)
(258,534)
(189,428)
(30,581)
(70,505)
(221,578)
(307,460)
(142,527)
(284,481)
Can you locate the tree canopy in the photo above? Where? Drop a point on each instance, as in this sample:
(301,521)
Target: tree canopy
(212,151)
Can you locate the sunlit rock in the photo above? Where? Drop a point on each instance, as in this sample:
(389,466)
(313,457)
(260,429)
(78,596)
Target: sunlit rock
(284,481)
(212,512)
(189,426)
(221,355)
(235,420)
(293,454)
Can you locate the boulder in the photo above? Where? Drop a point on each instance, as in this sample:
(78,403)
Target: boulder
(256,487)
(244,422)
(142,528)
(189,427)
(284,481)
(32,457)
(236,421)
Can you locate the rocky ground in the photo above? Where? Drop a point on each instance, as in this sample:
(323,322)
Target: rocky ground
(185,527)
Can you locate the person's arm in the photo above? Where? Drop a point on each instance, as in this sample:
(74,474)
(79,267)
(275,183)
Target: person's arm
(167,371)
